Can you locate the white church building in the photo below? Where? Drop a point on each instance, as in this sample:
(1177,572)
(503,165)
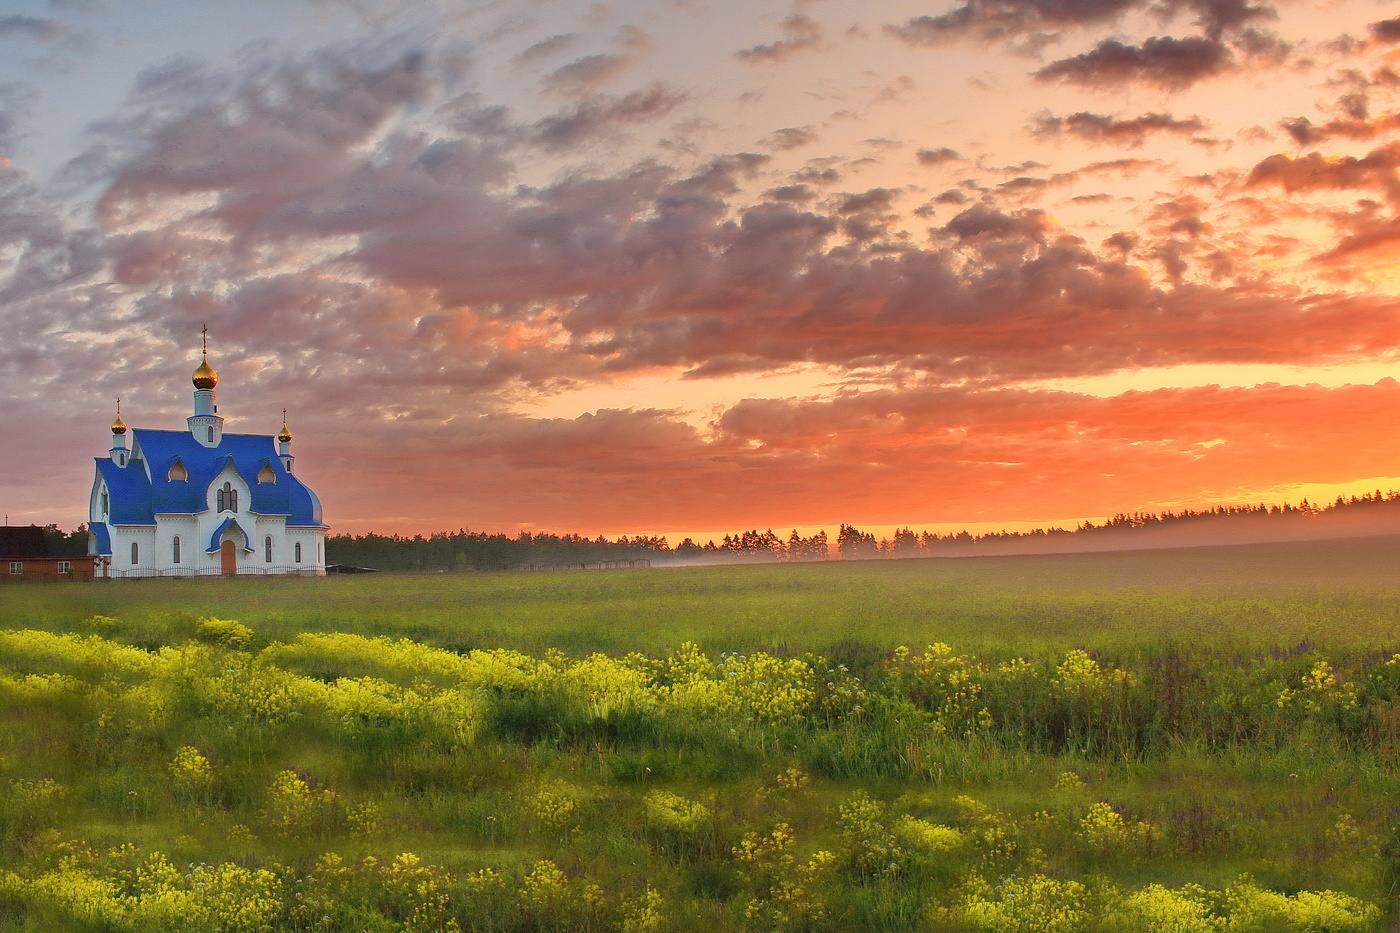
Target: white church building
(201,502)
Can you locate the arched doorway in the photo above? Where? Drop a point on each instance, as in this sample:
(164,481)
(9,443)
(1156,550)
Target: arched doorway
(228,558)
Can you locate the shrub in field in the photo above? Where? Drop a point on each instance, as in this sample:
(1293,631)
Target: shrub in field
(296,809)
(1036,904)
(1159,909)
(1104,833)
(922,836)
(190,772)
(1251,909)
(676,824)
(224,632)
(786,893)
(871,848)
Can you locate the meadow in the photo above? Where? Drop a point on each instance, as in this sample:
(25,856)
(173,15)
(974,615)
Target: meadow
(1190,740)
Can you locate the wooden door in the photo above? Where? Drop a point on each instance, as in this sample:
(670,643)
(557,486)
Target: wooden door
(228,557)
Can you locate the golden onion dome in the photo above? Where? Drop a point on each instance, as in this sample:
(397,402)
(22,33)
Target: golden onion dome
(119,426)
(285,436)
(205,377)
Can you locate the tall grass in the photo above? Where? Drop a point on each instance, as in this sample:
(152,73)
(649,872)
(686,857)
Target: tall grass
(337,782)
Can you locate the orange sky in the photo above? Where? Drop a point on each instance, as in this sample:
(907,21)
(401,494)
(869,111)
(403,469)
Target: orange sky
(690,269)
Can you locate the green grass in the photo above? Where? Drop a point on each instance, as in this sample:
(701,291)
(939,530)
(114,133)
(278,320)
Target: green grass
(1115,739)
(1338,595)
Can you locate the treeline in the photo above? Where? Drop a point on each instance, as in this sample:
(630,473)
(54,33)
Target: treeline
(469,550)
(474,550)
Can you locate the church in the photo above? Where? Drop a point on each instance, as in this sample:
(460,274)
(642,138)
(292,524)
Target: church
(201,502)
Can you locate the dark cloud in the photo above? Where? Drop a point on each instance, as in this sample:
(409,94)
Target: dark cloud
(602,114)
(1161,61)
(1033,24)
(1306,133)
(587,74)
(874,200)
(797,194)
(1314,172)
(1100,128)
(931,157)
(547,47)
(791,137)
(1386,30)
(800,34)
(1000,20)
(46,30)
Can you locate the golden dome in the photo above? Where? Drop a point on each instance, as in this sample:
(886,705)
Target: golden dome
(205,377)
(285,436)
(119,426)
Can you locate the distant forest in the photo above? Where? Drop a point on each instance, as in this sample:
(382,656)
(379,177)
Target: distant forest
(473,550)
(468,550)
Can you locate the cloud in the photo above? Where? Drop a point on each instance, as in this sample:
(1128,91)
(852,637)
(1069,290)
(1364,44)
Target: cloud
(1030,25)
(547,47)
(42,29)
(800,34)
(1161,61)
(790,138)
(1100,128)
(932,157)
(601,114)
(1386,30)
(1000,20)
(587,74)
(1315,172)
(1306,133)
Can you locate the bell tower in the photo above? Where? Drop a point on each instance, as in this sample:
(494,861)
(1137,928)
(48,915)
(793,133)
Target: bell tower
(206,427)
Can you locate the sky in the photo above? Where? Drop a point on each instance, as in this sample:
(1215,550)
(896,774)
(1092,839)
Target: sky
(688,267)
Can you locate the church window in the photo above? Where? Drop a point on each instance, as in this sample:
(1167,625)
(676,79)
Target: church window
(267,549)
(135,554)
(265,475)
(296,551)
(226,499)
(178,473)
(175,550)
(211,434)
(104,503)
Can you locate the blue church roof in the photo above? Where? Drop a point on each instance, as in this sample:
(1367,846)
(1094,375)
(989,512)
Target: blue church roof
(137,498)
(130,493)
(215,542)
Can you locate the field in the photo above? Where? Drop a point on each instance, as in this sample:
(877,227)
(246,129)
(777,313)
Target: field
(1192,740)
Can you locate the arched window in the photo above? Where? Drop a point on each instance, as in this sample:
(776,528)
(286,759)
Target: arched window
(267,549)
(266,475)
(135,554)
(227,498)
(296,552)
(211,434)
(175,550)
(178,473)
(104,503)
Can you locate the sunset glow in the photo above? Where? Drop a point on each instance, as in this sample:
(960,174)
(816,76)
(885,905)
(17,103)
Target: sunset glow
(688,268)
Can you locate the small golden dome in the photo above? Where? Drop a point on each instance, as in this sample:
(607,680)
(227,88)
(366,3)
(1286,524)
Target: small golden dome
(119,426)
(285,436)
(205,377)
